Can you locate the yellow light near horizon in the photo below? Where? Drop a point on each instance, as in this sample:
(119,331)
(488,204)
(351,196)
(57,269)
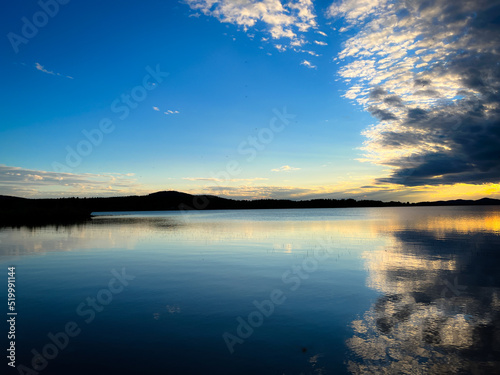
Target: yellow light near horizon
(462,191)
(467,224)
(493,189)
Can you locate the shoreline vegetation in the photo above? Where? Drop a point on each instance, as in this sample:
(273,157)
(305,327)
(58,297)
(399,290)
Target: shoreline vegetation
(15,211)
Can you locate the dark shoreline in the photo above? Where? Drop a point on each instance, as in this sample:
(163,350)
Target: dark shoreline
(16,211)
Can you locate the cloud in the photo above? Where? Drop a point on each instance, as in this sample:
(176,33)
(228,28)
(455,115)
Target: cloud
(285,168)
(381,114)
(41,68)
(213,179)
(288,20)
(351,189)
(428,71)
(168,112)
(35,183)
(321,33)
(257,192)
(355,11)
(312,53)
(308,64)
(320,43)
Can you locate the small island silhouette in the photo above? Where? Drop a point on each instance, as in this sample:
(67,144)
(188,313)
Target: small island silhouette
(16,211)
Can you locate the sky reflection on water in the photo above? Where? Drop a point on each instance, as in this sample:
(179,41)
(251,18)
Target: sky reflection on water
(403,290)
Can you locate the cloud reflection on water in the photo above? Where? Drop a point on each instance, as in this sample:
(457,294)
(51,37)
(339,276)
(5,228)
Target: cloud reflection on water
(439,309)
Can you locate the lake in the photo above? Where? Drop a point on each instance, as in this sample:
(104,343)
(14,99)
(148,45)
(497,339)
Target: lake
(407,290)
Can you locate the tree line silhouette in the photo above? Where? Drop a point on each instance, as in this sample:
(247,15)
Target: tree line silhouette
(25,211)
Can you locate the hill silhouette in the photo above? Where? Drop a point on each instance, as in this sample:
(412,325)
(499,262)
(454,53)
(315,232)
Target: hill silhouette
(15,211)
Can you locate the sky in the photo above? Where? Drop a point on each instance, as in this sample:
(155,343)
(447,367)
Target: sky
(248,99)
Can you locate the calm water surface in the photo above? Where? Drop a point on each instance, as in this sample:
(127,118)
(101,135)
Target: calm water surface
(313,291)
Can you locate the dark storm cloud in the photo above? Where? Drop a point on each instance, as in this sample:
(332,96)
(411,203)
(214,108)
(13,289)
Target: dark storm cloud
(416,114)
(401,139)
(472,154)
(381,114)
(377,92)
(443,95)
(393,100)
(422,82)
(432,93)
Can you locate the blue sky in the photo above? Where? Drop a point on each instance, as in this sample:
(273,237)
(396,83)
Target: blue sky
(349,73)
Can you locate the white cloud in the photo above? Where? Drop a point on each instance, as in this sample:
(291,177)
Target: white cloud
(41,68)
(411,62)
(349,189)
(35,183)
(355,11)
(213,179)
(282,20)
(320,43)
(167,112)
(257,192)
(285,168)
(321,33)
(308,64)
(391,52)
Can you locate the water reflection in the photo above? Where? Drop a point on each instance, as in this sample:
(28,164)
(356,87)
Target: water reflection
(435,271)
(439,312)
(102,232)
(127,231)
